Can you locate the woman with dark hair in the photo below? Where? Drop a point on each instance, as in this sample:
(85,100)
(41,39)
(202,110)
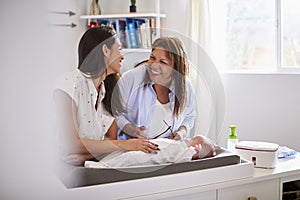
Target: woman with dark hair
(84,98)
(158,97)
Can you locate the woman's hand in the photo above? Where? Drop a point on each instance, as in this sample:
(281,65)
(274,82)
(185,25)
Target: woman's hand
(143,145)
(175,136)
(179,134)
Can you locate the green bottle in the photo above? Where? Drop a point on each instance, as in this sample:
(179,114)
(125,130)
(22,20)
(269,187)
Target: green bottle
(232,140)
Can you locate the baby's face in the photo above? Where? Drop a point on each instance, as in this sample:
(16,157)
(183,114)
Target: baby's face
(207,150)
(204,147)
(198,139)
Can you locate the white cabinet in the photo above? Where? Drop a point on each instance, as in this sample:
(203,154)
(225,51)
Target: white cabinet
(265,184)
(264,190)
(207,195)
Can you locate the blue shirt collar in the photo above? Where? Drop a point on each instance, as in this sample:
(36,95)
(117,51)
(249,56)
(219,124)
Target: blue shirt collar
(171,88)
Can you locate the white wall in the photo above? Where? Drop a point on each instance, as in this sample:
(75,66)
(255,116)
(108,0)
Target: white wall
(264,107)
(122,6)
(63,41)
(176,15)
(32,54)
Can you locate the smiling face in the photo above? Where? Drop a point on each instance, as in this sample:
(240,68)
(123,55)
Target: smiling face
(160,67)
(114,58)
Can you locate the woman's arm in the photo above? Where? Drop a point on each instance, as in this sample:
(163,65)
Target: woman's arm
(67,123)
(129,84)
(77,159)
(112,133)
(134,132)
(73,144)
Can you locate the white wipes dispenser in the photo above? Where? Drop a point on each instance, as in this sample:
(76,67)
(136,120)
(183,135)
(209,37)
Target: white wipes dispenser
(262,154)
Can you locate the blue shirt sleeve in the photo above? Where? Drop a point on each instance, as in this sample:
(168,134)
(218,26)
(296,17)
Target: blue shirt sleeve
(129,82)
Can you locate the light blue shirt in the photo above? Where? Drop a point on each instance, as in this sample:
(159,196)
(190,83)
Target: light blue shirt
(139,100)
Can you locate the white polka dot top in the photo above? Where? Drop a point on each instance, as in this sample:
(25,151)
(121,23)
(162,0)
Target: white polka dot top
(91,124)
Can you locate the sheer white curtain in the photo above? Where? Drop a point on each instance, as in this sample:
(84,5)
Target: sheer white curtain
(208,85)
(199,26)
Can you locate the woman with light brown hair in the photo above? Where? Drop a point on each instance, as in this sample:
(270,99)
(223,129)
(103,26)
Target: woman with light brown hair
(158,97)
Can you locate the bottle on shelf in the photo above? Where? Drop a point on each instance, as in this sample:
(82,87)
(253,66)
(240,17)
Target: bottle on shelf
(95,8)
(232,140)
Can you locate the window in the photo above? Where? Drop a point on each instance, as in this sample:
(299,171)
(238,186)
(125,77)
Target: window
(290,33)
(255,35)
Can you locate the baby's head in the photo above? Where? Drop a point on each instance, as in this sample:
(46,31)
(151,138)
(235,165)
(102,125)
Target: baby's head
(204,147)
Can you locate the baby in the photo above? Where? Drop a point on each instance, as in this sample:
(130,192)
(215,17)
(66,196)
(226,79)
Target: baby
(203,146)
(170,151)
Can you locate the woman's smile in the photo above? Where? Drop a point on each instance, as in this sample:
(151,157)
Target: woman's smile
(160,67)
(155,71)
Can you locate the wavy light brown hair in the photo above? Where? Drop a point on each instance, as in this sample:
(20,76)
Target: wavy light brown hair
(176,53)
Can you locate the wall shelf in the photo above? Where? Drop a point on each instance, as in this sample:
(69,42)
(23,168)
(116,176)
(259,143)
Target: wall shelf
(135,30)
(126,15)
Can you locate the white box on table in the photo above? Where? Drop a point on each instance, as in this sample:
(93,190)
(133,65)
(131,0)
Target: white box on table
(262,154)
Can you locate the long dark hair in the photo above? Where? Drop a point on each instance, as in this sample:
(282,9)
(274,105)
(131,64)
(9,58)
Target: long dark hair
(176,53)
(91,58)
(111,100)
(90,53)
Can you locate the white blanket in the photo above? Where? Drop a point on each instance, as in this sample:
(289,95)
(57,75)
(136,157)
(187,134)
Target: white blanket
(171,151)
